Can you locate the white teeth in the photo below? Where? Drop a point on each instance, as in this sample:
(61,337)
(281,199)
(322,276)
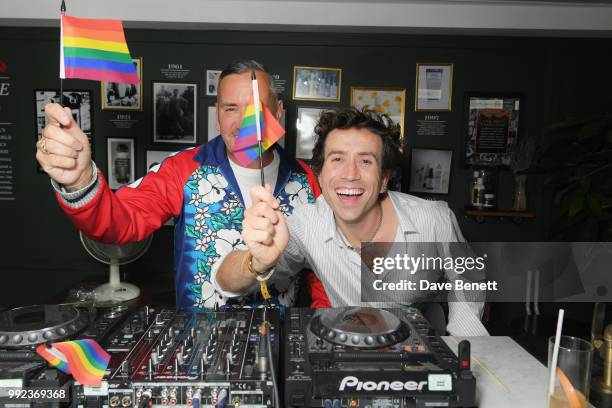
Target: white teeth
(349,191)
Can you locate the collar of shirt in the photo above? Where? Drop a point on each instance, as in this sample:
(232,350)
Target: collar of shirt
(331,233)
(214,153)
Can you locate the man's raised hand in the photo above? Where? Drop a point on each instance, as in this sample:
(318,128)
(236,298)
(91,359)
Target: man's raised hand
(264,229)
(63,151)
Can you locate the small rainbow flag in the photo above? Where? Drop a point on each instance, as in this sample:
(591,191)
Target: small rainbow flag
(84,359)
(246,148)
(95,49)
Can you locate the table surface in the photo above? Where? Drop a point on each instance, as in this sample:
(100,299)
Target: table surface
(507,376)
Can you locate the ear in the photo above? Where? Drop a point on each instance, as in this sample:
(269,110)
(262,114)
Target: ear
(383,186)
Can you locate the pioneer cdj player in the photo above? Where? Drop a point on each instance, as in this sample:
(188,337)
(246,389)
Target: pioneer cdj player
(229,358)
(366,357)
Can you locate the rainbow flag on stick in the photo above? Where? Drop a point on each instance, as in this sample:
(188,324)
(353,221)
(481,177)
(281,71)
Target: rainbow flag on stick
(246,148)
(95,49)
(84,359)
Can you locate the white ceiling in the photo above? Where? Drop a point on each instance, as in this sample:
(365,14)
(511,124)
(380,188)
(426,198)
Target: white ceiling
(587,18)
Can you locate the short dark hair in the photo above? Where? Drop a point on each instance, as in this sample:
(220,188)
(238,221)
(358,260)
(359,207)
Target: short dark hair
(348,118)
(241,67)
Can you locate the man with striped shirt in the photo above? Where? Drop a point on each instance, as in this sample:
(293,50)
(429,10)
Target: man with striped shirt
(353,158)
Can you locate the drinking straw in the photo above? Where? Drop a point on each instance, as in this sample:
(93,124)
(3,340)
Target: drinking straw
(555,356)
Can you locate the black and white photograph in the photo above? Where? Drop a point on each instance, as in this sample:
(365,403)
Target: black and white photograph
(123,97)
(155,157)
(430,170)
(120,152)
(79,102)
(317,84)
(307,118)
(212,82)
(174,113)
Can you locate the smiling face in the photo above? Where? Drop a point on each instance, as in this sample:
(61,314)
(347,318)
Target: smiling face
(351,177)
(232,99)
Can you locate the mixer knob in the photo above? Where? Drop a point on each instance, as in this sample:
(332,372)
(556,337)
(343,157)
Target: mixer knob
(154,358)
(228,362)
(150,368)
(202,366)
(125,367)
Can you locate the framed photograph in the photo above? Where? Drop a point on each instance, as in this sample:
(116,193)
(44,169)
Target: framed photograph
(212,82)
(120,153)
(174,113)
(434,87)
(123,97)
(307,118)
(79,102)
(430,170)
(155,157)
(390,101)
(317,84)
(493,124)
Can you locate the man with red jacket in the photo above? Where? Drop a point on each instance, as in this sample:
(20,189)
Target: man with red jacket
(203,188)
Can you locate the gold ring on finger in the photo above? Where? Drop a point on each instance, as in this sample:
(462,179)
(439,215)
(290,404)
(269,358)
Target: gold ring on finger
(43,145)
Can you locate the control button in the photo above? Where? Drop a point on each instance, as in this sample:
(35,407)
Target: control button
(48,335)
(342,338)
(369,340)
(355,339)
(18,338)
(32,337)
(3,339)
(61,331)
(382,339)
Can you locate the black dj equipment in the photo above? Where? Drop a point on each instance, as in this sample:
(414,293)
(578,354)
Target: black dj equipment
(158,357)
(366,357)
(229,358)
(179,358)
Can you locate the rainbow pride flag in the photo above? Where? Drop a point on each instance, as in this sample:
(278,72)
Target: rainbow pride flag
(246,148)
(95,49)
(84,359)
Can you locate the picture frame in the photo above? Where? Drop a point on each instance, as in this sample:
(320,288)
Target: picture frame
(307,118)
(79,101)
(123,97)
(155,157)
(212,82)
(434,87)
(175,112)
(430,170)
(493,125)
(391,101)
(120,153)
(317,84)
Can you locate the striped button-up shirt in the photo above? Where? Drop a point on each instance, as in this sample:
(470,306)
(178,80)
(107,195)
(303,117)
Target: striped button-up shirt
(316,243)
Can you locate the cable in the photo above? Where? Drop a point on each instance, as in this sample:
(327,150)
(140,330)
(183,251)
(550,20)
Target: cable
(144,402)
(268,334)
